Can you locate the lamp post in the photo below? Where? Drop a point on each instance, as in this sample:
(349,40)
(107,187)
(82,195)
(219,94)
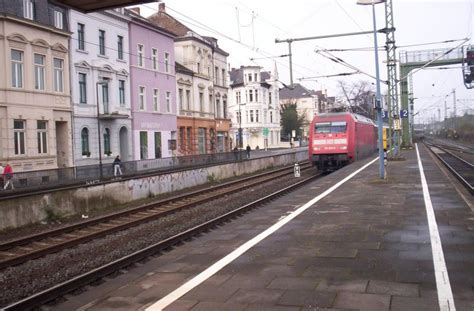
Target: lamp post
(378,103)
(98,125)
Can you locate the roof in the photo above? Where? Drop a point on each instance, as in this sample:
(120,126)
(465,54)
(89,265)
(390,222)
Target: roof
(237,75)
(182,69)
(298,91)
(88,6)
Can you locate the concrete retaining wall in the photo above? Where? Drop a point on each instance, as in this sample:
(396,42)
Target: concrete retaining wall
(19,212)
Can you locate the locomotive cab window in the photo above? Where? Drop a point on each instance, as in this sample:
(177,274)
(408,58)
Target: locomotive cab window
(330,127)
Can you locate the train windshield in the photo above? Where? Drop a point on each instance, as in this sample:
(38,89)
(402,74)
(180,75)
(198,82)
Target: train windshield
(330,127)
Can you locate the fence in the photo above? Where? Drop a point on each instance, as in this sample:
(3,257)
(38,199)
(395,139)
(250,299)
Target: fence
(90,174)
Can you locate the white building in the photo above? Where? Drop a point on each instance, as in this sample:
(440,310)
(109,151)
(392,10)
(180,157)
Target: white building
(254,107)
(100,82)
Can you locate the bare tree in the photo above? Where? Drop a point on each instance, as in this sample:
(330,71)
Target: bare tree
(359,96)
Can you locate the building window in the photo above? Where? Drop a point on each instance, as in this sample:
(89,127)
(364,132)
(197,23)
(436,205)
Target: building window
(250,95)
(237,97)
(58,19)
(269,98)
(224,109)
(198,67)
(239,117)
(251,116)
(256,77)
(167,62)
(271,116)
(188,99)
(28,9)
(17,68)
(168,101)
(107,150)
(19,136)
(143,145)
(102,42)
(85,142)
(120,47)
(140,55)
(105,96)
(250,77)
(180,98)
(201,101)
(122,93)
(141,97)
(256,96)
(216,78)
(39,71)
(156,100)
(211,104)
(154,58)
(82,88)
(257,115)
(42,127)
(223,78)
(58,75)
(218,108)
(80,37)
(157,145)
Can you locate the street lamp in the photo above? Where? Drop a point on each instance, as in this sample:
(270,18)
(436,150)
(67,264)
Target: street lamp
(102,83)
(378,104)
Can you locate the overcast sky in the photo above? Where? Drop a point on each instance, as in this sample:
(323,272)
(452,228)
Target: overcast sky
(248,29)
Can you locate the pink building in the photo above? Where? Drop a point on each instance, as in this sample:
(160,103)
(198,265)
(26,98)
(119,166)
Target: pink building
(152,89)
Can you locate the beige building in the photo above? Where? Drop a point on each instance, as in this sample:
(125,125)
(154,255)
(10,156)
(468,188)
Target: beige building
(35,108)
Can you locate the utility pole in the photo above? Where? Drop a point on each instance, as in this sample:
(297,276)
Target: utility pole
(392,81)
(454,108)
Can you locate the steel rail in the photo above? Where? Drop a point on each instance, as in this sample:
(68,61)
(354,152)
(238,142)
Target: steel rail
(35,246)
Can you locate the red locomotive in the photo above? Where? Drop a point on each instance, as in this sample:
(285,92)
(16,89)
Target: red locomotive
(337,139)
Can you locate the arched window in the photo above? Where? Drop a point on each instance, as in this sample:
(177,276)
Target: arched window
(107,150)
(85,142)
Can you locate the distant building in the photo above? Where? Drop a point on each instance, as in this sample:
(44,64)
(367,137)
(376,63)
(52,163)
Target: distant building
(308,102)
(254,107)
(203,125)
(100,79)
(35,105)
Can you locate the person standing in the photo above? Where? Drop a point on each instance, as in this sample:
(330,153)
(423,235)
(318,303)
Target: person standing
(1,175)
(248,151)
(117,164)
(7,177)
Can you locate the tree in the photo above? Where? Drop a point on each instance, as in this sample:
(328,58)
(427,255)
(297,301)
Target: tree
(290,120)
(360,97)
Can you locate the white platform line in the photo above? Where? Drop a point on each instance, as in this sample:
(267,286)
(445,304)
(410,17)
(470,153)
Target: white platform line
(445,294)
(203,276)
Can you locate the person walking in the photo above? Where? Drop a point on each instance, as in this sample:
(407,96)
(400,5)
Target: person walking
(7,177)
(248,151)
(117,164)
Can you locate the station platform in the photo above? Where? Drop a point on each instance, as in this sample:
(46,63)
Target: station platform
(348,241)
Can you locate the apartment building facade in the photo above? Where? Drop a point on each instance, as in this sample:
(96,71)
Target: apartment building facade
(100,78)
(35,104)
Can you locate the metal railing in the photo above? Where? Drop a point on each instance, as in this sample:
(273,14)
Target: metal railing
(90,174)
(428,55)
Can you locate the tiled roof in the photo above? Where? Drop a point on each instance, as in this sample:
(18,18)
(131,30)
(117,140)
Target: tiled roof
(298,91)
(182,69)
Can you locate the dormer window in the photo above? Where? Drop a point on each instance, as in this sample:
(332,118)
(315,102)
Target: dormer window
(58,19)
(28,9)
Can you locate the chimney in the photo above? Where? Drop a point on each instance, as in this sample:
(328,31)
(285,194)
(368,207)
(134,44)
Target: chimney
(136,10)
(161,7)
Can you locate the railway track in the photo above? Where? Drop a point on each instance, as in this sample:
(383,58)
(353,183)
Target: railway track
(85,279)
(30,247)
(461,167)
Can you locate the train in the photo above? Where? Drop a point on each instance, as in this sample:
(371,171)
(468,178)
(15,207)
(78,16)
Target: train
(339,138)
